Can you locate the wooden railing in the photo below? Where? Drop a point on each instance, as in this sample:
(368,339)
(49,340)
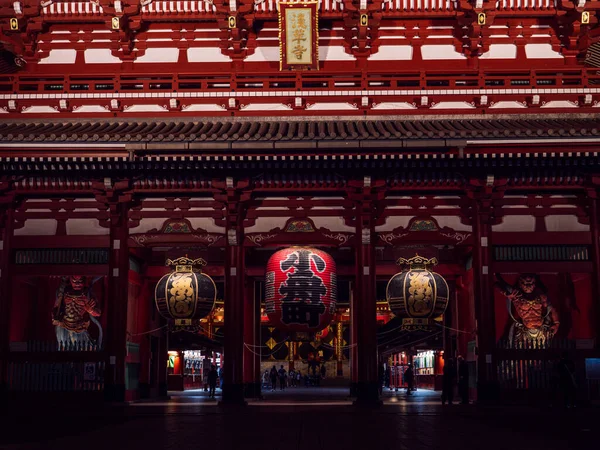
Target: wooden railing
(211,83)
(34,346)
(525,373)
(536,344)
(25,376)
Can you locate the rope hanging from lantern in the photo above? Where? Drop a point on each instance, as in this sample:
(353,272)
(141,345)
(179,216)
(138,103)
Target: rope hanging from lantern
(263,346)
(341,346)
(455,329)
(389,331)
(147,332)
(413,342)
(275,349)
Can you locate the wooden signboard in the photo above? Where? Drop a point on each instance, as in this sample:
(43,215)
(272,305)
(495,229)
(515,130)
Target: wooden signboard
(298,36)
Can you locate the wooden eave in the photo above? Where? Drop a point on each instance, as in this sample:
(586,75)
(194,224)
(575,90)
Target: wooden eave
(146,137)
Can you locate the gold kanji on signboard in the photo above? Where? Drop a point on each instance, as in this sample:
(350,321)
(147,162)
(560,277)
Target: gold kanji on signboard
(298,35)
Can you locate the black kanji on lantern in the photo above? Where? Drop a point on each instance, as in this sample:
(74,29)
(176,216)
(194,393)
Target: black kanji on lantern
(303,289)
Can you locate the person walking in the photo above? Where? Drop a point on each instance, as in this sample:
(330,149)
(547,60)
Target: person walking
(212,381)
(409,379)
(292,378)
(282,376)
(388,376)
(463,380)
(380,378)
(273,375)
(448,381)
(298,378)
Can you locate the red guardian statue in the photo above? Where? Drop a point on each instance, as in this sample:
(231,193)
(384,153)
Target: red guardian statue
(73,310)
(536,321)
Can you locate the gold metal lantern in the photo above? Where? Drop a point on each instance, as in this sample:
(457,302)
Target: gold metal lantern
(417,295)
(186,293)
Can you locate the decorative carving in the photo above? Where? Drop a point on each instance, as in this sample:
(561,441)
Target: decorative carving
(455,235)
(140,239)
(427,225)
(258,239)
(423,225)
(184,261)
(389,237)
(292,233)
(299,226)
(177,227)
(342,238)
(210,239)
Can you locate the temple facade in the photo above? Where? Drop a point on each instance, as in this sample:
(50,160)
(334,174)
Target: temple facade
(464,133)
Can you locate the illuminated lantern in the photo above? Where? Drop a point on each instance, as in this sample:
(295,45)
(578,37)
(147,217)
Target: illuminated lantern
(187,293)
(300,289)
(417,295)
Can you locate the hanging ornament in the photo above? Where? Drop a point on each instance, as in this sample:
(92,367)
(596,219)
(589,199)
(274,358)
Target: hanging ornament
(301,289)
(417,295)
(186,293)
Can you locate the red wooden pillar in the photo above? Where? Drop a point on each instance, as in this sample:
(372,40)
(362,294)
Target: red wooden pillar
(484,307)
(251,342)
(595,254)
(117,303)
(143,322)
(354,341)
(365,305)
(233,377)
(6,234)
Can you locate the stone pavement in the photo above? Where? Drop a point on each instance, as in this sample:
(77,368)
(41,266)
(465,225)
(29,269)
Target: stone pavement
(313,418)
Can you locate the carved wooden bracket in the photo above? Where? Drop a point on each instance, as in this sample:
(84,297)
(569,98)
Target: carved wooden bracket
(174,232)
(426,230)
(299,232)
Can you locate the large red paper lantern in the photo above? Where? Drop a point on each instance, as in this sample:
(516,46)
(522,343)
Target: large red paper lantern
(300,289)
